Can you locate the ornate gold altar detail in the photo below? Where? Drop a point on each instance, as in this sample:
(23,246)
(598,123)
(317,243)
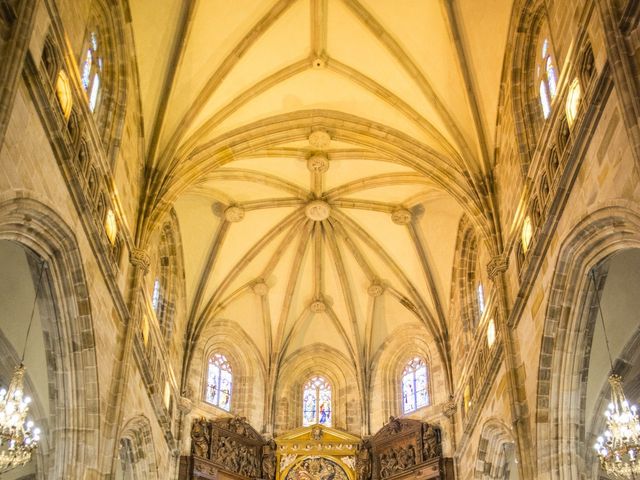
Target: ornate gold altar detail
(317,453)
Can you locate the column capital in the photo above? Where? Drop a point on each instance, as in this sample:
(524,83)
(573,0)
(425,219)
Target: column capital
(497,265)
(140,258)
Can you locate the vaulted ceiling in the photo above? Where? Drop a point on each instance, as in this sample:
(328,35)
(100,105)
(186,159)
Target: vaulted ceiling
(319,155)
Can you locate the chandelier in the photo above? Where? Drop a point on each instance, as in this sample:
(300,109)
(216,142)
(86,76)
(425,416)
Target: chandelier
(18,437)
(619,446)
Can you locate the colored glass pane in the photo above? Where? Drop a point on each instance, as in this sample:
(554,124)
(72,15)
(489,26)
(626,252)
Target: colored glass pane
(86,69)
(93,97)
(91,70)
(544,100)
(480,293)
(155,297)
(415,385)
(316,402)
(551,77)
(219,382)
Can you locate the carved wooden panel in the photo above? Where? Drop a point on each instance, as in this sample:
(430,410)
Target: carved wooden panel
(406,446)
(230,445)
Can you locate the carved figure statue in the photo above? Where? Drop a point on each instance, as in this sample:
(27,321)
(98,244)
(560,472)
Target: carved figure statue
(363,462)
(394,425)
(430,447)
(200,438)
(269,461)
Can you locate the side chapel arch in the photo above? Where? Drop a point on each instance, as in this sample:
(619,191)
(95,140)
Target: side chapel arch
(561,385)
(74,427)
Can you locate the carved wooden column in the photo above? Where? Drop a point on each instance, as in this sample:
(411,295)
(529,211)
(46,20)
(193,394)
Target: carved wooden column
(496,269)
(16,25)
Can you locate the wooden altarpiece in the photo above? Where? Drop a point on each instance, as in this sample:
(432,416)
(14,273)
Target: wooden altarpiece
(226,449)
(317,452)
(409,449)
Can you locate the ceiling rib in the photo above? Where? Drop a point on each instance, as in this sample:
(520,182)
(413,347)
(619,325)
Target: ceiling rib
(398,52)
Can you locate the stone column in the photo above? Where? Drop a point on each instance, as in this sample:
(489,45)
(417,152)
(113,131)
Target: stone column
(621,62)
(140,261)
(517,398)
(12,55)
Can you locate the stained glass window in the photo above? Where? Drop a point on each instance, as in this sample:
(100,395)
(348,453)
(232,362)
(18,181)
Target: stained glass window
(546,73)
(480,294)
(91,71)
(219,382)
(415,385)
(316,402)
(544,100)
(155,297)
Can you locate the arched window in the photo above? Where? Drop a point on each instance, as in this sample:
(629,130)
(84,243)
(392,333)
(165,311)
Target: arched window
(546,74)
(415,385)
(91,68)
(219,382)
(316,402)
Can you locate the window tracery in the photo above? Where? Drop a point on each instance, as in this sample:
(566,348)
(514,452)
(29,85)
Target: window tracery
(415,385)
(546,73)
(219,382)
(316,402)
(91,70)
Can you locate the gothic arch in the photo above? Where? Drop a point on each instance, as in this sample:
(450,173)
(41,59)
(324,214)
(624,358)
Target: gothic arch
(169,272)
(228,338)
(323,360)
(566,335)
(387,366)
(492,459)
(136,452)
(74,430)
(524,34)
(108,18)
(465,276)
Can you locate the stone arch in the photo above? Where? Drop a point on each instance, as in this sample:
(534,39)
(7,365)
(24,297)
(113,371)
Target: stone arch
(248,390)
(298,368)
(75,433)
(465,276)
(386,373)
(169,271)
(525,101)
(136,452)
(495,445)
(566,335)
(108,18)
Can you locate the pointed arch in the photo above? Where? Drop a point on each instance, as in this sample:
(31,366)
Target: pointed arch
(566,335)
(74,425)
(102,64)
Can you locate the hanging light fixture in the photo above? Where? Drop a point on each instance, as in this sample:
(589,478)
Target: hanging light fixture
(18,436)
(618,447)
